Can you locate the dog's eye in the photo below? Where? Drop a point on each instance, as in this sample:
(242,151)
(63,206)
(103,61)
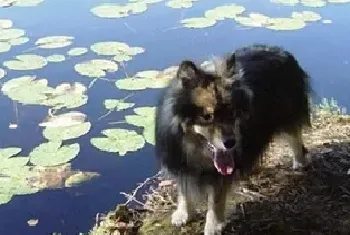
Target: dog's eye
(207,117)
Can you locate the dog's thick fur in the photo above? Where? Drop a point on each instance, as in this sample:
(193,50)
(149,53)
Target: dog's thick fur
(210,121)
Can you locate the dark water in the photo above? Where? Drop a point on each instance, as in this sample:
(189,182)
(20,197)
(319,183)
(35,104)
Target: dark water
(322,49)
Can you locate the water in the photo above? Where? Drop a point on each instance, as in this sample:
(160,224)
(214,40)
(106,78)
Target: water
(320,48)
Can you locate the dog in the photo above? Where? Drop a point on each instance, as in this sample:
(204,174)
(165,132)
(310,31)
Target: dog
(212,124)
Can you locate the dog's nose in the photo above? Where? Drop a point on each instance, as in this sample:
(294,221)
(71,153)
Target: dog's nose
(229,143)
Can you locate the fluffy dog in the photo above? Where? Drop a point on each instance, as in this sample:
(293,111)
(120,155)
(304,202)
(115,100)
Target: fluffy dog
(211,123)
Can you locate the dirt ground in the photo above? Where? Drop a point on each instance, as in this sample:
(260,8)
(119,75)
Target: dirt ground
(274,200)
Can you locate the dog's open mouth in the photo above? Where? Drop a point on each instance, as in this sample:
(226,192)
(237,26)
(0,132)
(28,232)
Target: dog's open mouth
(223,160)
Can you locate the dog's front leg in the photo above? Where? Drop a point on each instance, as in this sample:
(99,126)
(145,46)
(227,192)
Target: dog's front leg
(215,216)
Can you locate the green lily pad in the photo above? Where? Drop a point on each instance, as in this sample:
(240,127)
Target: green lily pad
(111,11)
(5,24)
(57,134)
(137,7)
(26,62)
(5,47)
(77,51)
(8,34)
(119,141)
(145,117)
(313,3)
(146,1)
(79,178)
(306,16)
(56,58)
(122,57)
(338,1)
(54,42)
(198,22)
(97,68)
(118,105)
(229,11)
(249,22)
(53,153)
(27,3)
(2,73)
(177,4)
(6,153)
(18,41)
(285,24)
(114,48)
(286,2)
(5,198)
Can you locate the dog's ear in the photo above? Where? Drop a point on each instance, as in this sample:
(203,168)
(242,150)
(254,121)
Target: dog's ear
(241,100)
(188,73)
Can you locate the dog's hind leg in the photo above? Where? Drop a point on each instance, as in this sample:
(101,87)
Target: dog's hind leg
(185,209)
(299,151)
(215,217)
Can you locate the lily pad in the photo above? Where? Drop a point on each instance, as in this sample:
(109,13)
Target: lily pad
(250,22)
(56,58)
(145,117)
(114,48)
(119,141)
(306,16)
(229,11)
(137,7)
(54,42)
(53,153)
(338,1)
(111,11)
(5,198)
(5,47)
(18,41)
(97,68)
(57,134)
(198,22)
(8,34)
(6,153)
(118,105)
(27,3)
(313,3)
(2,73)
(64,120)
(122,57)
(285,24)
(5,24)
(26,62)
(286,2)
(177,4)
(77,51)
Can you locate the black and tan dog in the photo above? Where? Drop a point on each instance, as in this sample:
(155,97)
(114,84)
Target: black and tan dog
(211,123)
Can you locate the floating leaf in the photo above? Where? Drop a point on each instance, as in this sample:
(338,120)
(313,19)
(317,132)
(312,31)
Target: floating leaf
(53,153)
(111,11)
(306,16)
(286,2)
(96,68)
(114,48)
(198,22)
(285,24)
(122,57)
(5,198)
(119,141)
(146,1)
(26,62)
(32,222)
(229,11)
(8,34)
(137,7)
(2,73)
(56,58)
(313,3)
(177,4)
(64,120)
(18,41)
(145,117)
(338,1)
(147,79)
(5,47)
(249,22)
(54,42)
(79,178)
(5,24)
(6,153)
(57,134)
(77,51)
(27,3)
(119,105)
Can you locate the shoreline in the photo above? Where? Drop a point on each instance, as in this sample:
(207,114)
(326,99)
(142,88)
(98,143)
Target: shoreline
(274,199)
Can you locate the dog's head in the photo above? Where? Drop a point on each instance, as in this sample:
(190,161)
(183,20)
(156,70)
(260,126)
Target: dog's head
(206,108)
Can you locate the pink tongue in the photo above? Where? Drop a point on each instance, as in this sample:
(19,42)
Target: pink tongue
(224,163)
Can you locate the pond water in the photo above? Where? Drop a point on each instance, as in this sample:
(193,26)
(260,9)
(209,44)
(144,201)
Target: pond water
(320,48)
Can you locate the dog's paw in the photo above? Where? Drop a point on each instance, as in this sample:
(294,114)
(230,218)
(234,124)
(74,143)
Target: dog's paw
(212,225)
(179,217)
